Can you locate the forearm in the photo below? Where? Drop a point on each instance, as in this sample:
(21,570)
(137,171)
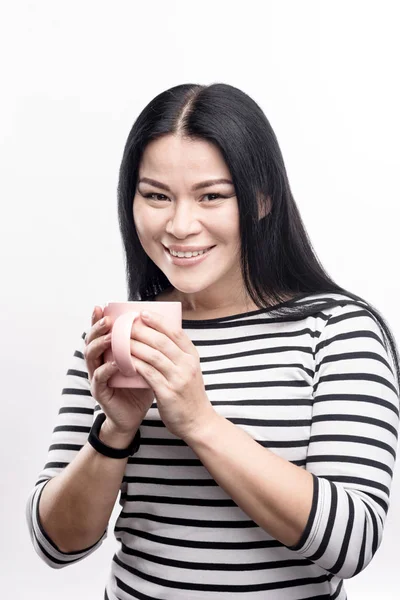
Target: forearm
(273,492)
(76,505)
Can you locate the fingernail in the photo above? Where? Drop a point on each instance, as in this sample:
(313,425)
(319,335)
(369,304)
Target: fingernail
(102,321)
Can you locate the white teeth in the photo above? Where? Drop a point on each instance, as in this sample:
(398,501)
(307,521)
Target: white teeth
(188,254)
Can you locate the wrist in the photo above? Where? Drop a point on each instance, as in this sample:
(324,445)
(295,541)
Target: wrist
(110,436)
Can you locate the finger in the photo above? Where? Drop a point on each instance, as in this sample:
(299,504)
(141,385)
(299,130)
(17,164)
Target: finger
(97,314)
(100,388)
(95,349)
(162,325)
(100,326)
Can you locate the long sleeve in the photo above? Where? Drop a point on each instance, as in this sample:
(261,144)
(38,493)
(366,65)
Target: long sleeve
(71,431)
(353,443)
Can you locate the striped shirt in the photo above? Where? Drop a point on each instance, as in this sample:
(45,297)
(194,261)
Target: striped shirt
(319,391)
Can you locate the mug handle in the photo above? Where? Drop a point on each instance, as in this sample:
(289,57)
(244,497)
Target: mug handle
(121,343)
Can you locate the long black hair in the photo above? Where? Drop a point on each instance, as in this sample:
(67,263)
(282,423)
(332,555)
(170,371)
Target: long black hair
(277,257)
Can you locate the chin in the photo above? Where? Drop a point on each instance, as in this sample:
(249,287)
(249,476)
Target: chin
(192,288)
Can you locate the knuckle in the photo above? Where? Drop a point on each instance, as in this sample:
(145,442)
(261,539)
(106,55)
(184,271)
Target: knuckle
(156,357)
(192,369)
(178,334)
(162,346)
(96,375)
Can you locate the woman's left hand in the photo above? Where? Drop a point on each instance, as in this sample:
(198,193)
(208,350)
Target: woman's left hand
(169,362)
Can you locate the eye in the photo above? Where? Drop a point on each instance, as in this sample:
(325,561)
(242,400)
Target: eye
(217,196)
(151,196)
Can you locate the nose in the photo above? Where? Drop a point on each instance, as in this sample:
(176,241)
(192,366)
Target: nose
(184,220)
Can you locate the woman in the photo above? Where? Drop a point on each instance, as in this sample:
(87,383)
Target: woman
(269,431)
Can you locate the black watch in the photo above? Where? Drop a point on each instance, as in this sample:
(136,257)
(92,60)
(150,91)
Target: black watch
(94,441)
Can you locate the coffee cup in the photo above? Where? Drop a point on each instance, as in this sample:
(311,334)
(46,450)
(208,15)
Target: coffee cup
(123,315)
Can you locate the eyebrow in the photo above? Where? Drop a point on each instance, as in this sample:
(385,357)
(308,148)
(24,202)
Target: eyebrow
(197,186)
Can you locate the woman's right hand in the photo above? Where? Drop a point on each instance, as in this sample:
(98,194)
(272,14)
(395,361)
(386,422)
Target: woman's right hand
(124,408)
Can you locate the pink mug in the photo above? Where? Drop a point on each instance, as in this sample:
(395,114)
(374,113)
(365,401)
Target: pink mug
(123,315)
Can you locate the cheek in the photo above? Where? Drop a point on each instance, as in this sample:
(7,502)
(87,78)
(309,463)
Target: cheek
(147,225)
(139,219)
(228,224)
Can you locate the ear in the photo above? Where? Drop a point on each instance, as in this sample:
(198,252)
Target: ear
(264,207)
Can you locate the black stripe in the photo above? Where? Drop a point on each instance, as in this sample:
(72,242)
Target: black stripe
(375,537)
(167,462)
(78,373)
(79,354)
(271,422)
(337,591)
(361,557)
(357,419)
(319,597)
(171,481)
(55,465)
(264,443)
(76,392)
(245,421)
(107,598)
(352,355)
(189,522)
(284,444)
(357,398)
(262,367)
(72,447)
(216,588)
(201,566)
(80,410)
(311,516)
(329,525)
(75,428)
(350,459)
(351,315)
(356,377)
(378,500)
(257,384)
(346,540)
(56,560)
(279,335)
(265,402)
(350,335)
(133,593)
(39,481)
(192,544)
(261,351)
(179,501)
(356,439)
(358,480)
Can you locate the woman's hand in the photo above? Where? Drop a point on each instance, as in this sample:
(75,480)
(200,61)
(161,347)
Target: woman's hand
(169,362)
(124,408)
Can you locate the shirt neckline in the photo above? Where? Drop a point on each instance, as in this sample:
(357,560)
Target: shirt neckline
(249,313)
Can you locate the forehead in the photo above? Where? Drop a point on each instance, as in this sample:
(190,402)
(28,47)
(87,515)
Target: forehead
(172,154)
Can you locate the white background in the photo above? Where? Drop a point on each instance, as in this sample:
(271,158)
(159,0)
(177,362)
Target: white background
(74,77)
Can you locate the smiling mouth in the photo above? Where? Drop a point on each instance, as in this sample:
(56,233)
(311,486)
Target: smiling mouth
(198,252)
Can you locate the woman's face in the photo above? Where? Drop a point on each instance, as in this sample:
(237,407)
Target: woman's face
(169,211)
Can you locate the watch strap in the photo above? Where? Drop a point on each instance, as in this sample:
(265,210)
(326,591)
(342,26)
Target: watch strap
(102,448)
